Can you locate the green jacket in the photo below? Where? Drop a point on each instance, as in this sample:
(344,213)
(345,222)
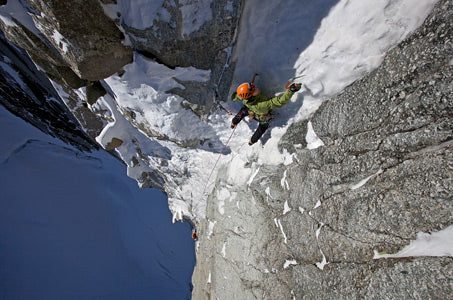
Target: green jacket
(261,104)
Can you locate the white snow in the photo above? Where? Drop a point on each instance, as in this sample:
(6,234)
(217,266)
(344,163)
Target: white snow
(283,182)
(318,204)
(288,158)
(211,228)
(253,177)
(332,43)
(289,263)
(7,20)
(224,250)
(324,262)
(365,180)
(285,239)
(286,208)
(313,141)
(60,41)
(427,244)
(268,192)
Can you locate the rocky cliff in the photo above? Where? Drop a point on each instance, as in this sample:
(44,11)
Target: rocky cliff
(314,229)
(28,94)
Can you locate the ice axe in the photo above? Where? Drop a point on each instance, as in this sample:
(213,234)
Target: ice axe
(253,79)
(291,80)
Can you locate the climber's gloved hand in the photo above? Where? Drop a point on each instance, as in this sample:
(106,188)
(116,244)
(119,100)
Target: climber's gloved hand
(233,95)
(295,87)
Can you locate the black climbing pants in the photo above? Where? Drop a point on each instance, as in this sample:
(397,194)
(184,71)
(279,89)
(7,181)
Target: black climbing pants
(262,127)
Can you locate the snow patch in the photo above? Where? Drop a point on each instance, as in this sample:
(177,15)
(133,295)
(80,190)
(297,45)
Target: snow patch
(286,208)
(253,177)
(285,240)
(324,262)
(7,20)
(284,183)
(288,158)
(427,244)
(289,263)
(211,228)
(318,204)
(60,40)
(224,250)
(313,141)
(363,181)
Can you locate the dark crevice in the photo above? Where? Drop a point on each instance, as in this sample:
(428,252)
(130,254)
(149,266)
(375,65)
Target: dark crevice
(155,58)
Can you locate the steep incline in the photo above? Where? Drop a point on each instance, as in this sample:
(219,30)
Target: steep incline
(311,227)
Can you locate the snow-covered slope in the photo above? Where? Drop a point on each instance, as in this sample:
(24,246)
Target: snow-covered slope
(74,226)
(329,43)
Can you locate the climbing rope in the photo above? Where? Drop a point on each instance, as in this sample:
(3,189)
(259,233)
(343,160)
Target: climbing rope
(220,155)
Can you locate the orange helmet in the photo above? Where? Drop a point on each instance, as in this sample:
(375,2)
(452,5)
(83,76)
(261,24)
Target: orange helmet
(245,90)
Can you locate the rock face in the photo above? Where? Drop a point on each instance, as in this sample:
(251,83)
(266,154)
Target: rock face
(28,94)
(309,230)
(191,33)
(76,41)
(87,40)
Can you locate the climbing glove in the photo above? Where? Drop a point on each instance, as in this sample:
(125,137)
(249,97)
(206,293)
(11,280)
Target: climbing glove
(295,87)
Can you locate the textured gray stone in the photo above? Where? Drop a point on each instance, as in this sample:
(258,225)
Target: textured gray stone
(205,48)
(394,128)
(34,99)
(92,44)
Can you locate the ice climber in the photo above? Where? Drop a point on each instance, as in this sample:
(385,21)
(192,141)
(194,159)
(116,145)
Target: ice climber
(259,106)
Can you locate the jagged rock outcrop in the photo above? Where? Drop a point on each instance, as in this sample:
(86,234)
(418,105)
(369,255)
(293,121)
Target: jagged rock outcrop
(28,94)
(309,229)
(191,33)
(76,41)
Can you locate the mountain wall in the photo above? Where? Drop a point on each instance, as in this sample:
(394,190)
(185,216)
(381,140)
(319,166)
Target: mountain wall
(78,45)
(28,94)
(314,228)
(145,84)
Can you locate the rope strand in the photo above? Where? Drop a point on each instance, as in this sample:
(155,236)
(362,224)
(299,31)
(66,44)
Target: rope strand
(220,155)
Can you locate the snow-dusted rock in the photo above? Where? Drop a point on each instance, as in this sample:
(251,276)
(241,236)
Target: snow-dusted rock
(187,33)
(382,176)
(73,42)
(27,93)
(89,42)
